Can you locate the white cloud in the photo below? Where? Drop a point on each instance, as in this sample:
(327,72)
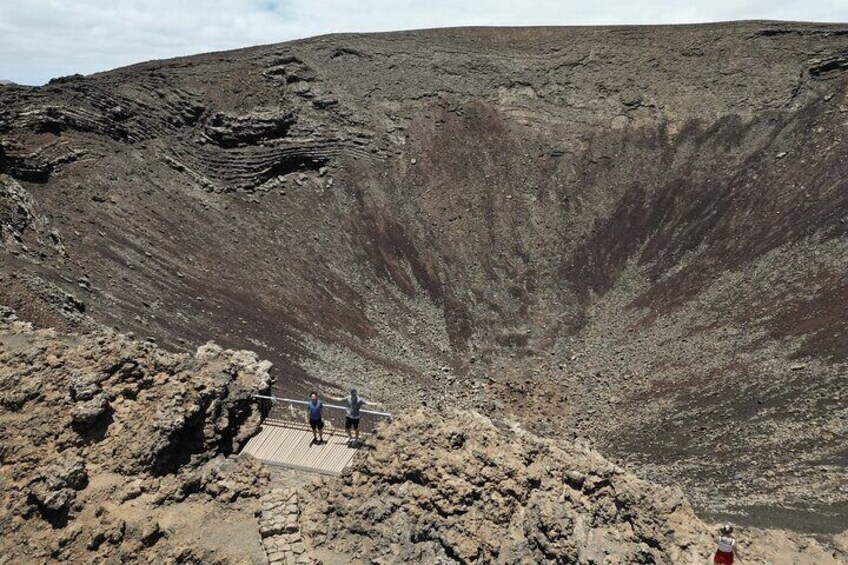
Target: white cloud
(40,39)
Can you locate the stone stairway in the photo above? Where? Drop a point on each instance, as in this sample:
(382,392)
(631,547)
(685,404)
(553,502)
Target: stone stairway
(280,530)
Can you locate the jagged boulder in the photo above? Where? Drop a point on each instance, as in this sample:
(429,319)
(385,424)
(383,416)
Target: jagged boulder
(459,488)
(94,423)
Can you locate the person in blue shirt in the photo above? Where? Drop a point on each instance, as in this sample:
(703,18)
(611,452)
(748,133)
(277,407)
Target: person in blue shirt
(316,422)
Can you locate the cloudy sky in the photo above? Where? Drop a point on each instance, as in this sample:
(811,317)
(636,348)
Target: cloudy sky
(41,39)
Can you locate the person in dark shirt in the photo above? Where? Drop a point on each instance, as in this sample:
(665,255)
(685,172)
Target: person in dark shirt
(316,422)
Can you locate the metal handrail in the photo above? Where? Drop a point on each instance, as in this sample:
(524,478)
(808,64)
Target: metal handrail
(304,403)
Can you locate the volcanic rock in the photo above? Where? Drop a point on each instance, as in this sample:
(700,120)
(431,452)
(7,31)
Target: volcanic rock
(508,496)
(107,439)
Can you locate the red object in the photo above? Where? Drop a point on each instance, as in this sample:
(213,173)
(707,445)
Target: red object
(723,558)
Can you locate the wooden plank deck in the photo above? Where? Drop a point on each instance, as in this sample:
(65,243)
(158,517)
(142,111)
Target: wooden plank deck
(289,444)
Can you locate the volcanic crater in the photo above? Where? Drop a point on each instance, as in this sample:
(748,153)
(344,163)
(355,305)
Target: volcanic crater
(634,236)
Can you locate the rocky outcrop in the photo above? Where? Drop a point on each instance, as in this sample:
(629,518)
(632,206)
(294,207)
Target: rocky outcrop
(459,488)
(263,125)
(107,439)
(22,229)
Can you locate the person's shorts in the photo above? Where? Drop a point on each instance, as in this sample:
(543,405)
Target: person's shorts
(723,558)
(351,423)
(316,424)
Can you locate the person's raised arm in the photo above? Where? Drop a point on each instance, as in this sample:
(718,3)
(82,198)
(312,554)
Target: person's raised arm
(736,551)
(336,398)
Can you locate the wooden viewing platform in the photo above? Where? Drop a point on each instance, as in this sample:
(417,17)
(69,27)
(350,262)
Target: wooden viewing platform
(289,444)
(286,440)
